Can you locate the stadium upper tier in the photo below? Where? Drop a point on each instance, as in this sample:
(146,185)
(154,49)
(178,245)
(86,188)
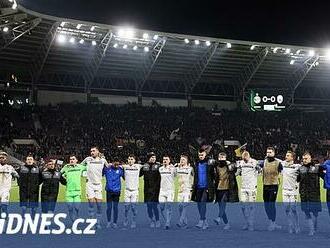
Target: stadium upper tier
(48,52)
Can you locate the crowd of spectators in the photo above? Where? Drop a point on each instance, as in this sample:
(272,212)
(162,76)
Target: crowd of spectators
(119,130)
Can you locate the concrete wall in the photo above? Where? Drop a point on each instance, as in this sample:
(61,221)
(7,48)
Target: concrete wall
(55,97)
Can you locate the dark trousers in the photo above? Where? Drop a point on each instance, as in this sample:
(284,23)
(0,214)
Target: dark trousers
(222,199)
(152,209)
(201,198)
(270,195)
(112,203)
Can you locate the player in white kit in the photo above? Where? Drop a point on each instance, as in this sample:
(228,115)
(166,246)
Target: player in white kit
(185,174)
(7,172)
(290,190)
(131,172)
(167,189)
(95,164)
(248,169)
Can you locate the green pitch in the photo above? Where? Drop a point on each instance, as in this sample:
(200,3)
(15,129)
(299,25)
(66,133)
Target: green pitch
(61,198)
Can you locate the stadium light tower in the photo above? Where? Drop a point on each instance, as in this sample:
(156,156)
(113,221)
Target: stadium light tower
(126,33)
(61,38)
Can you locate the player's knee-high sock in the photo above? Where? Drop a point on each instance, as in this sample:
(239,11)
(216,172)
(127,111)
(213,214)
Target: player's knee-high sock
(127,209)
(134,211)
(71,213)
(168,214)
(91,210)
(99,212)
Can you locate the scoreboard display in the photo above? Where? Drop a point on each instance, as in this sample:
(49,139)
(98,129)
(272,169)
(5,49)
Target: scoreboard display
(267,100)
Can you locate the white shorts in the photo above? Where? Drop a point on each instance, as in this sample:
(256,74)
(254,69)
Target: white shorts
(289,197)
(131,196)
(94,191)
(4,197)
(248,195)
(166,196)
(184,196)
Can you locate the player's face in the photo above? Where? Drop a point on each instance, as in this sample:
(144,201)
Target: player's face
(288,157)
(183,161)
(201,155)
(222,157)
(95,152)
(270,153)
(73,160)
(3,159)
(131,160)
(307,159)
(29,160)
(152,159)
(51,165)
(166,160)
(245,156)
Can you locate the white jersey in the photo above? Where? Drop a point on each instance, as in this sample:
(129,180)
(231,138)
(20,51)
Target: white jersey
(167,178)
(290,173)
(94,169)
(132,173)
(249,173)
(185,178)
(6,176)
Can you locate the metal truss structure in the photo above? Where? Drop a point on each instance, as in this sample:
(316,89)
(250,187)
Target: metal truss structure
(46,52)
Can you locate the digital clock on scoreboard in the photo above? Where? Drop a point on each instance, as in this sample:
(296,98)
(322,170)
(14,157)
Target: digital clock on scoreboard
(267,100)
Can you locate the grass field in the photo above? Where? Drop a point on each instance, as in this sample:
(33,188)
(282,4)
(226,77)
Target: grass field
(15,198)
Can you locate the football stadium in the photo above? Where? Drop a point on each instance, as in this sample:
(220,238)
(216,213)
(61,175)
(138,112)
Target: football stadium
(147,132)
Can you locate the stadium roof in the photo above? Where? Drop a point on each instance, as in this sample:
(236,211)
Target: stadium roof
(47,52)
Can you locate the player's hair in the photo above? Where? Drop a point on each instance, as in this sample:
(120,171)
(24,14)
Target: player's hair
(96,147)
(271,148)
(201,150)
(131,156)
(222,154)
(306,153)
(30,155)
(73,155)
(167,156)
(245,152)
(293,154)
(185,156)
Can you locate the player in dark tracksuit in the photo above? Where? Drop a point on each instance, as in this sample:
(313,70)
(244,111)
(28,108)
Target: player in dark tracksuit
(326,185)
(51,179)
(29,184)
(150,172)
(309,190)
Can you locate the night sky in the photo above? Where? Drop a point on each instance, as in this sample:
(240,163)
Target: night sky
(282,22)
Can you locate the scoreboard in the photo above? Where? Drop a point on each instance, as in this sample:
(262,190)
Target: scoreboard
(267,100)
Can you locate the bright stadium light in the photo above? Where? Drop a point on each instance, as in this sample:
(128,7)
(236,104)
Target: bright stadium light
(125,46)
(135,47)
(292,61)
(94,43)
(11,1)
(145,36)
(81,41)
(196,42)
(317,63)
(79,26)
(62,24)
(92,28)
(156,37)
(5,29)
(14,6)
(61,38)
(287,51)
(146,49)
(127,33)
(208,43)
(311,53)
(186,41)
(72,40)
(298,52)
(115,45)
(252,47)
(228,45)
(275,50)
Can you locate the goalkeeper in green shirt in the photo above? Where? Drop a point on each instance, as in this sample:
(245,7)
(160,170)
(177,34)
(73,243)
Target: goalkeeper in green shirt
(72,172)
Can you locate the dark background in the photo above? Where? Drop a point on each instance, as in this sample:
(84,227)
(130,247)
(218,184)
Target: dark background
(289,22)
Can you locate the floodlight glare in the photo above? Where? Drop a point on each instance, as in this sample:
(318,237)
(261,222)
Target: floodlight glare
(92,28)
(14,6)
(292,62)
(252,47)
(145,36)
(208,43)
(146,49)
(186,41)
(94,43)
(127,33)
(115,45)
(196,42)
(287,51)
(5,29)
(61,38)
(228,45)
(125,46)
(156,36)
(62,24)
(135,48)
(81,41)
(79,26)
(311,53)
(72,40)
